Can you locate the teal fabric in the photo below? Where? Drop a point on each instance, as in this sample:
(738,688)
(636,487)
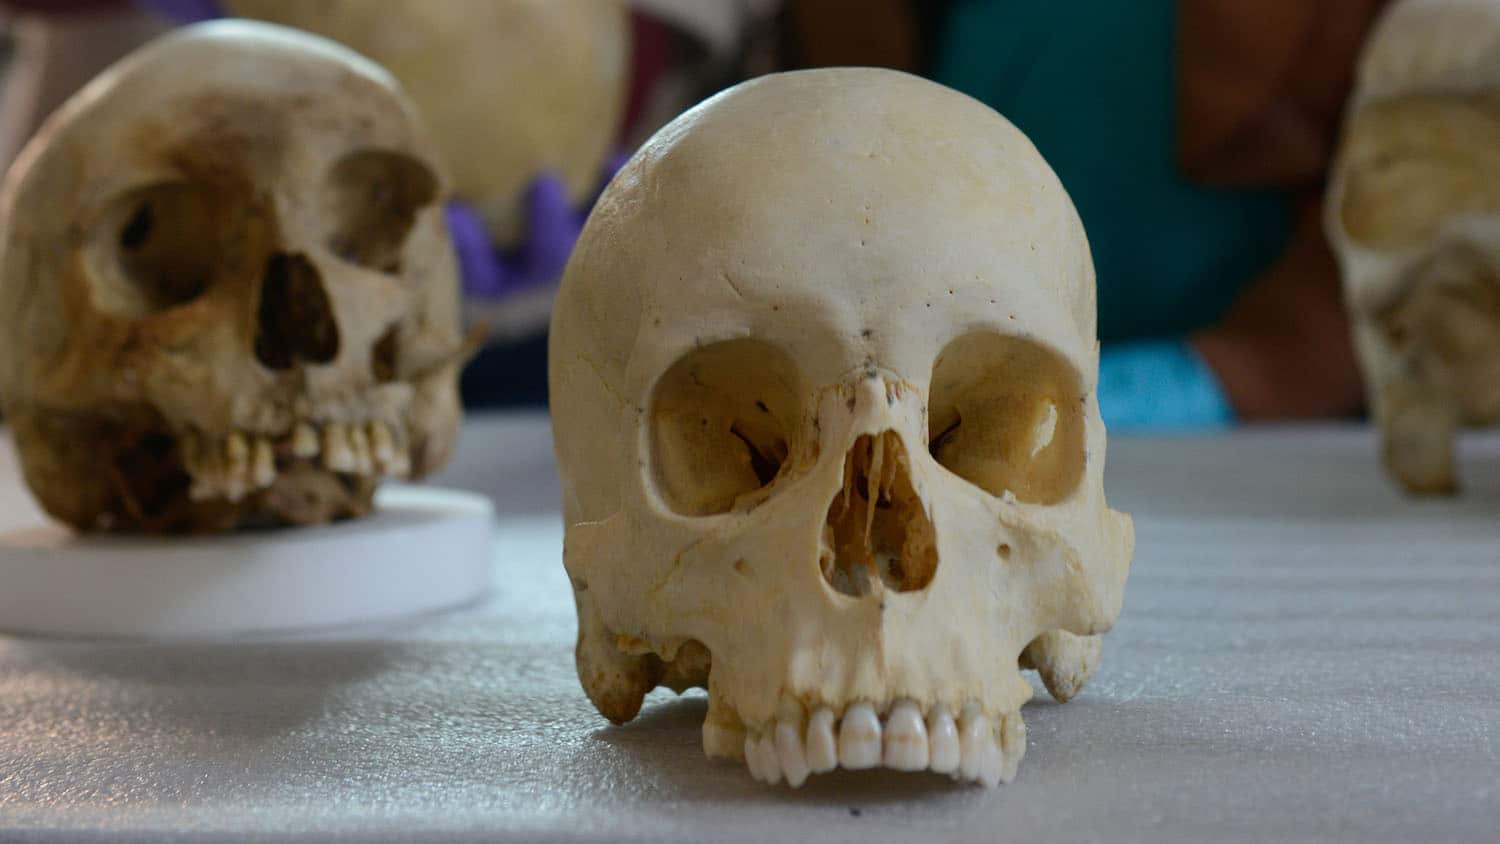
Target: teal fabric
(1092,83)
(1161,385)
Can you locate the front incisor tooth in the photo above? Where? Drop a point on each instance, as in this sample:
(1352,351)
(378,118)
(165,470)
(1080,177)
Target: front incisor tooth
(942,740)
(974,738)
(859,737)
(304,441)
(905,738)
(822,750)
(790,752)
(263,464)
(338,454)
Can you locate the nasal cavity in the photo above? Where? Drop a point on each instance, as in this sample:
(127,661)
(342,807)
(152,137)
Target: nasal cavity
(877,528)
(294,321)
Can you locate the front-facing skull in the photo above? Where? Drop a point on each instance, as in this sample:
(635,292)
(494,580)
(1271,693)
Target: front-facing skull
(1413,213)
(227,295)
(823,372)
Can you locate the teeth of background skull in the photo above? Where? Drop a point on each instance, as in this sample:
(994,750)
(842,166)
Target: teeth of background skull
(359,443)
(262,463)
(236,466)
(967,748)
(305,441)
(382,446)
(338,453)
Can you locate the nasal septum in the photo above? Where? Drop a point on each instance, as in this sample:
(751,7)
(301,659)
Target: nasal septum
(877,535)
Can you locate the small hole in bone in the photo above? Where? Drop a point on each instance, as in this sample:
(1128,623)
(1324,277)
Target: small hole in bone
(1004,550)
(720,424)
(877,527)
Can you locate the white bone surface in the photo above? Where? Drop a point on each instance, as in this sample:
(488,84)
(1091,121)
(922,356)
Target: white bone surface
(822,375)
(1305,655)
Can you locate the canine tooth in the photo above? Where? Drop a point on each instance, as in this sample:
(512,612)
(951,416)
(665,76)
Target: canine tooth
(974,736)
(263,463)
(1013,744)
(822,750)
(790,752)
(338,454)
(942,740)
(752,757)
(905,738)
(770,764)
(382,446)
(859,737)
(304,441)
(359,442)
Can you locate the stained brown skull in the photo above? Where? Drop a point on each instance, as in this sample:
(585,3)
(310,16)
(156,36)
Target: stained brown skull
(228,294)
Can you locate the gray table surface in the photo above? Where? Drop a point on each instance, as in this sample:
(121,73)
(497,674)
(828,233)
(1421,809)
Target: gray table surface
(1303,655)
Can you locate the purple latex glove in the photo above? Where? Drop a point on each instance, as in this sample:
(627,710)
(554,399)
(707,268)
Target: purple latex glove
(185,11)
(552,227)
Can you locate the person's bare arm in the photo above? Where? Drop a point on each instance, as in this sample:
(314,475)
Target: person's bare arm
(1284,350)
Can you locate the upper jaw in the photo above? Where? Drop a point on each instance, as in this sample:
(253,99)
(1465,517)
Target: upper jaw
(242,463)
(902,735)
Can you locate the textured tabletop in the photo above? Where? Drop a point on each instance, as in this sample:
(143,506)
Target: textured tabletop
(1303,654)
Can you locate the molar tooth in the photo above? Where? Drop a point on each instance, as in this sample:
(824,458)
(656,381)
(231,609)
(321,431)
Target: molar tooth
(790,752)
(338,454)
(263,463)
(942,739)
(305,441)
(974,736)
(905,738)
(822,750)
(859,737)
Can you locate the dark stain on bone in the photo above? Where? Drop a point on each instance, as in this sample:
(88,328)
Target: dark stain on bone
(761,406)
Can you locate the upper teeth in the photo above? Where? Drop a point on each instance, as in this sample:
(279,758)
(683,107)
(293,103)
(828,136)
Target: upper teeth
(242,463)
(969,747)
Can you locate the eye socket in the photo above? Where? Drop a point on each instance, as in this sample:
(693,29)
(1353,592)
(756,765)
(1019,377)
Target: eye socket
(158,247)
(372,198)
(721,419)
(1006,414)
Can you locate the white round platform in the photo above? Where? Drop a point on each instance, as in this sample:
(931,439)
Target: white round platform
(422,549)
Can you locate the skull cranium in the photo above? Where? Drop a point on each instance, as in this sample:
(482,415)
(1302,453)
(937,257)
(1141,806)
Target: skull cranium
(1413,214)
(228,295)
(509,87)
(823,373)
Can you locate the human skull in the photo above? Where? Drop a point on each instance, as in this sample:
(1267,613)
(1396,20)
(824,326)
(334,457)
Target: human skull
(1413,213)
(822,371)
(509,87)
(228,295)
